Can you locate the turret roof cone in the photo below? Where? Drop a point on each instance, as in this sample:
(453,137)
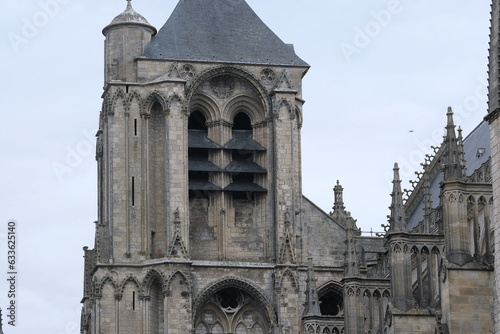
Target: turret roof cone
(129,16)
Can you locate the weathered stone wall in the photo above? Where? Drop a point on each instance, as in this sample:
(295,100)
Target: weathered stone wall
(202,235)
(246,242)
(467,301)
(493,110)
(130,311)
(413,323)
(324,237)
(495,161)
(107,310)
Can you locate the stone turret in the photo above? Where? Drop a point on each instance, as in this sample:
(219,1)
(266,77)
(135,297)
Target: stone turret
(454,190)
(352,293)
(453,164)
(400,258)
(126,37)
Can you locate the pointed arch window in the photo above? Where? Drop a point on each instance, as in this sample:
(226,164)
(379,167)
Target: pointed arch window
(231,310)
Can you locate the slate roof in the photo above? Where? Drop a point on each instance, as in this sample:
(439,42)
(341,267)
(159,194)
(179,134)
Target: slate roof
(203,166)
(205,186)
(244,167)
(245,186)
(129,16)
(242,140)
(219,31)
(199,139)
(478,138)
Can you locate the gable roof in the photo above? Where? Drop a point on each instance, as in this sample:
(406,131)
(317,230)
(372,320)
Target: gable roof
(219,31)
(479,138)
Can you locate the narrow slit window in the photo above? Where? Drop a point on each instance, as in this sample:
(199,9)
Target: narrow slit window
(133,191)
(135,126)
(133,301)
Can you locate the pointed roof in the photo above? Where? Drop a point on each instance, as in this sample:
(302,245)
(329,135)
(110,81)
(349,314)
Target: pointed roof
(312,301)
(129,16)
(397,219)
(453,157)
(220,31)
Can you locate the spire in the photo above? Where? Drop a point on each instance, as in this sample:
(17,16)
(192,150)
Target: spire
(397,219)
(453,165)
(129,17)
(312,301)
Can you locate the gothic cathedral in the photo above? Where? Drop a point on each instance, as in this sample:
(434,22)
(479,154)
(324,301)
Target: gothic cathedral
(202,226)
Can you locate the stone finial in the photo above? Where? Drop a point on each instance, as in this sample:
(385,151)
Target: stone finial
(312,299)
(339,213)
(397,219)
(338,205)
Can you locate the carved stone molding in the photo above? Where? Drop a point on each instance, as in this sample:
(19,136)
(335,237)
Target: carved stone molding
(267,76)
(492,116)
(187,72)
(222,86)
(241,284)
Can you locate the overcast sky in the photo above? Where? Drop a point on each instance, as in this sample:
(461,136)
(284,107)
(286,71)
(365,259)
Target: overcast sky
(382,74)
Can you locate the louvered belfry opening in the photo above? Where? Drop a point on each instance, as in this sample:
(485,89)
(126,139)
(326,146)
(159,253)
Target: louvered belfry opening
(199,147)
(242,168)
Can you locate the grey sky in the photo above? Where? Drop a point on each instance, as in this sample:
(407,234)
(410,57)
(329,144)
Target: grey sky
(376,93)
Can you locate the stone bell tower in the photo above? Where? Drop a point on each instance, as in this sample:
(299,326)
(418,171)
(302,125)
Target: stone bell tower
(199,174)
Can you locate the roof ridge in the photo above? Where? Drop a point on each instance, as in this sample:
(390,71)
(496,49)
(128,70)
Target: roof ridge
(220,31)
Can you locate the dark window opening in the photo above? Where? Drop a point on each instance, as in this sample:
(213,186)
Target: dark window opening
(242,122)
(135,126)
(246,196)
(198,194)
(331,304)
(153,234)
(198,176)
(242,155)
(243,178)
(229,298)
(157,109)
(198,154)
(133,300)
(197,121)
